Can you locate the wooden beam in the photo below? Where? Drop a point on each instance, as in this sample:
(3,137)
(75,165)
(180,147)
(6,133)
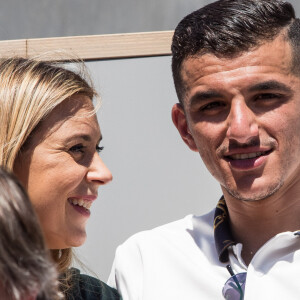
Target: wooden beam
(94,47)
(13,48)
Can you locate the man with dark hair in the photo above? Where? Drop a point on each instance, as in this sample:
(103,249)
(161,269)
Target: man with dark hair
(236,68)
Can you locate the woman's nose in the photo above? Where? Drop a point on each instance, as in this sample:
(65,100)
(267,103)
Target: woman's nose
(98,171)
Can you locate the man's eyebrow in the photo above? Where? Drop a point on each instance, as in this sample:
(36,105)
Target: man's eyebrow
(270,85)
(203,96)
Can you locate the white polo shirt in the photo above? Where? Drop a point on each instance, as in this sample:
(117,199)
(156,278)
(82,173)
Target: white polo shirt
(181,261)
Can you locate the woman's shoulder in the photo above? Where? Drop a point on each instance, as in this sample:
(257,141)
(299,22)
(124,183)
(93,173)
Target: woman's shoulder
(85,287)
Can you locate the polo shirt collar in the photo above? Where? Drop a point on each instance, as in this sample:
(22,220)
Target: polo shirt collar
(222,232)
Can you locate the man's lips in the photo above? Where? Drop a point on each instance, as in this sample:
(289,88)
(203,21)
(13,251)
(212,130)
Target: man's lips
(249,155)
(247,160)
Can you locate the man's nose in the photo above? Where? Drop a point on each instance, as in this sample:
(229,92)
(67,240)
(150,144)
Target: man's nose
(241,122)
(98,172)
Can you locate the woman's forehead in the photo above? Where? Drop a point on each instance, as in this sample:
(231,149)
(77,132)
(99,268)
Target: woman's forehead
(72,115)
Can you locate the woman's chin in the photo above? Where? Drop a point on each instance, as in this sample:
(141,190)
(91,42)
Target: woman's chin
(70,243)
(78,243)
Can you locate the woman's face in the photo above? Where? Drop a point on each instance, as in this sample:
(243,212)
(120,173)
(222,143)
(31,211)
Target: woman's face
(61,169)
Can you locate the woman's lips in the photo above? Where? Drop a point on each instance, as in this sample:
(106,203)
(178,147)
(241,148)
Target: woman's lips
(82,204)
(80,209)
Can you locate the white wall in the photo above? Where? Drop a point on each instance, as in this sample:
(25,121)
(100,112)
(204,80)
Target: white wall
(157,179)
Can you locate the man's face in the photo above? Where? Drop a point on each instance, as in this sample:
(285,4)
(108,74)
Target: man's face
(243,116)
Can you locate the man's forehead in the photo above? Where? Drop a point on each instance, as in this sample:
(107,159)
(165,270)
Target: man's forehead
(276,53)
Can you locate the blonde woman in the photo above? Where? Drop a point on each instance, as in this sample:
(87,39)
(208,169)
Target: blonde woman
(49,137)
(26,271)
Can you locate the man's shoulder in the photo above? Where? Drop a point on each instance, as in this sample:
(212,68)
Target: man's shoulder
(190,225)
(166,249)
(189,222)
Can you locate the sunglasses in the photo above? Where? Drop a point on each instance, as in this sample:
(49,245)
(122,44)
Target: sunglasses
(234,287)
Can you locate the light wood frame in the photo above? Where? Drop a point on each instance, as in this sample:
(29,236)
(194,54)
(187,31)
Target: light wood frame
(93,47)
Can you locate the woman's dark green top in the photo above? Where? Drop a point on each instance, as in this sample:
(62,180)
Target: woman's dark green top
(84,287)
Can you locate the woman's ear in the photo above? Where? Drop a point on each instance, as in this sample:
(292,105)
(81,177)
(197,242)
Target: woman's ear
(180,122)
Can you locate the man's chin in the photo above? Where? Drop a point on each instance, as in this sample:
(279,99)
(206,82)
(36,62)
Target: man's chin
(254,195)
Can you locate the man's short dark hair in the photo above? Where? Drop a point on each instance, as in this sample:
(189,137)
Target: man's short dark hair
(227,28)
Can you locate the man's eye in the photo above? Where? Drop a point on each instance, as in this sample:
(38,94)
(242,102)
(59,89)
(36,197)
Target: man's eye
(211,106)
(79,148)
(99,149)
(268,96)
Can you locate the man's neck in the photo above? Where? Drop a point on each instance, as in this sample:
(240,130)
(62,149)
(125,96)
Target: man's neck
(254,223)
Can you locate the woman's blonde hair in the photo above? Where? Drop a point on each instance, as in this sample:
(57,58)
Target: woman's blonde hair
(29,90)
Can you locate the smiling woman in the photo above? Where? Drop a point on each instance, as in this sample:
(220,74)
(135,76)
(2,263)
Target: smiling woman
(49,137)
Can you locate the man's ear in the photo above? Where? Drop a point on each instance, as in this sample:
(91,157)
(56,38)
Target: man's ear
(180,122)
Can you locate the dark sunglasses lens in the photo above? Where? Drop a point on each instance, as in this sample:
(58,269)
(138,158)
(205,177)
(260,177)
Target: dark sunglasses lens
(233,290)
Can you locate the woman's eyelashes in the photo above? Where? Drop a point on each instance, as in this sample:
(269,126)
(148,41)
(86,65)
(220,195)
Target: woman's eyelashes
(80,148)
(99,148)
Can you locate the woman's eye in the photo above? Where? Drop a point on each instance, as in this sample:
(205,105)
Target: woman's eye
(79,148)
(99,149)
